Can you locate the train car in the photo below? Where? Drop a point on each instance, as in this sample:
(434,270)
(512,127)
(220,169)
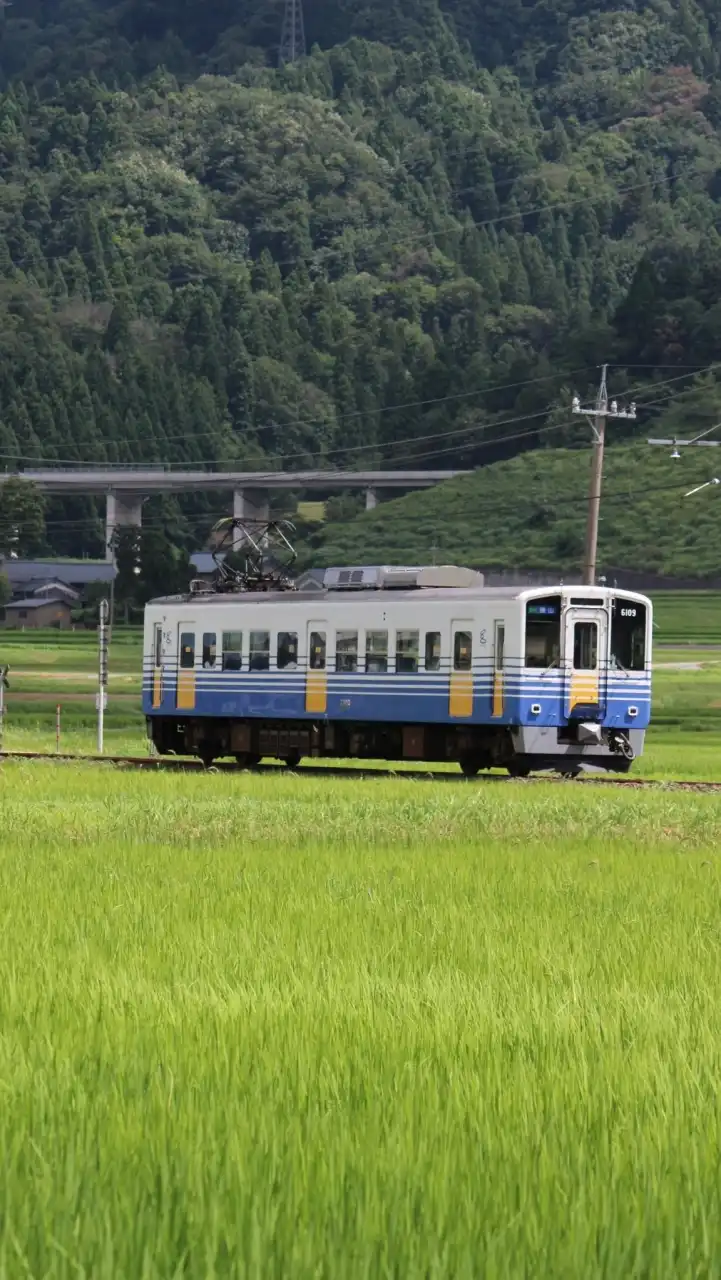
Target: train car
(419,664)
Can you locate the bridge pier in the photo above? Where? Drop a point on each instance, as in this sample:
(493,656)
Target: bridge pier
(122,511)
(371,499)
(249,504)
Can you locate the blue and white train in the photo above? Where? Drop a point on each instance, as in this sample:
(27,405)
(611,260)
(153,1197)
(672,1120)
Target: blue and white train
(421,664)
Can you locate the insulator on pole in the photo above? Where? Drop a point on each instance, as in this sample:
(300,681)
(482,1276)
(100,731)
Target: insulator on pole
(292,36)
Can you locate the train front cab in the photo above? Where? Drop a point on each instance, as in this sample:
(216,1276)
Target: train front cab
(586,682)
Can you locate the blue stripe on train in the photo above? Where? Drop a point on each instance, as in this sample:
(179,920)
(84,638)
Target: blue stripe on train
(357,696)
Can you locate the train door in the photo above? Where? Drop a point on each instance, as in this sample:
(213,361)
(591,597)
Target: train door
(586,646)
(499,645)
(157,665)
(185,699)
(316,678)
(461,688)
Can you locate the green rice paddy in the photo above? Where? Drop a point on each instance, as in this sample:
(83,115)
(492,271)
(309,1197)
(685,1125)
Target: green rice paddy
(258,1026)
(266,1025)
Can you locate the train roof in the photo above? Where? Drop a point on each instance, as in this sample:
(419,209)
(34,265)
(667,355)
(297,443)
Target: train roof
(407,595)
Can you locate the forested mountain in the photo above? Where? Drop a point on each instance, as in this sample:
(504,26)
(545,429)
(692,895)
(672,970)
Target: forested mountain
(412,245)
(529,513)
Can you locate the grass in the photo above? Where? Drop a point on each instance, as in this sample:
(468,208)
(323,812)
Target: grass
(311,512)
(54,669)
(265,1025)
(75,651)
(261,1026)
(687,618)
(529,512)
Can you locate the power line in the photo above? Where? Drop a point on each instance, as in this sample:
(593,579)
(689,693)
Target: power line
(202,520)
(520,435)
(417,238)
(311,422)
(480,223)
(375,447)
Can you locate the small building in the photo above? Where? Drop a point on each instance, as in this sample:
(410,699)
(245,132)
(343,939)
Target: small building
(26,576)
(53,588)
(37,612)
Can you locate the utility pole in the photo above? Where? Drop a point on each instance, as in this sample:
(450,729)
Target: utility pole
(598,414)
(292,36)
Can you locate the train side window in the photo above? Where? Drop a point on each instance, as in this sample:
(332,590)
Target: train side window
(187,650)
(433,650)
(376,651)
(317,651)
(232,650)
(462,651)
(210,649)
(585,646)
(407,650)
(259,650)
(158,646)
(287,655)
(500,646)
(346,650)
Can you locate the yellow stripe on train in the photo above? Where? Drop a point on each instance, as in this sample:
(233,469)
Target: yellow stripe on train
(584,689)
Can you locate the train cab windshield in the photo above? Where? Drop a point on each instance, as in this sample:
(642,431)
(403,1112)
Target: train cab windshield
(543,632)
(628,634)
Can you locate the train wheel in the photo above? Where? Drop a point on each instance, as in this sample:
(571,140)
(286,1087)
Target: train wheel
(470,766)
(206,757)
(252,761)
(517,770)
(293,759)
(241,759)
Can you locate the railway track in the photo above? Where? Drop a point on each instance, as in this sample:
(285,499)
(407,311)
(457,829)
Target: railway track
(175,764)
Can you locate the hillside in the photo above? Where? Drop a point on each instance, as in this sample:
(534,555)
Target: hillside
(411,246)
(529,513)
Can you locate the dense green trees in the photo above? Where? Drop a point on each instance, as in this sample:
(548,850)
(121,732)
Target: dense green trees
(149,563)
(409,247)
(22,519)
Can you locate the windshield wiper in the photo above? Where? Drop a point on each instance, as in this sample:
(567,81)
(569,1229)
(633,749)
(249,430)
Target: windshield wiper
(555,663)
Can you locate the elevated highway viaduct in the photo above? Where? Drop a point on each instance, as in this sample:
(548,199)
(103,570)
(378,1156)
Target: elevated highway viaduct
(126,488)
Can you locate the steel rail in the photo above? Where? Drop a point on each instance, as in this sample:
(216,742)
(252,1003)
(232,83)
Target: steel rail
(189,764)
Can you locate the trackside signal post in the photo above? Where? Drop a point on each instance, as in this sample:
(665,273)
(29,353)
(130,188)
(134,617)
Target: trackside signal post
(102,696)
(599,414)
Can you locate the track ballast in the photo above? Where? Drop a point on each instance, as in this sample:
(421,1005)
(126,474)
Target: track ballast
(178,764)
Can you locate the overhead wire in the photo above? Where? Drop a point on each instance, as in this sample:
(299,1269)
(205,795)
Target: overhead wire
(346,417)
(598,195)
(202,520)
(373,447)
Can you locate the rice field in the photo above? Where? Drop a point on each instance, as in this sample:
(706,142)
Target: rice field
(275,1025)
(278,1026)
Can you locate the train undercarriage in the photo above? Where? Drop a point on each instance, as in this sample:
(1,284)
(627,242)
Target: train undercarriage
(473,747)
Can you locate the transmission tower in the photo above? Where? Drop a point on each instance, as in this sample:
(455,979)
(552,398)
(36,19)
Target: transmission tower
(292,36)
